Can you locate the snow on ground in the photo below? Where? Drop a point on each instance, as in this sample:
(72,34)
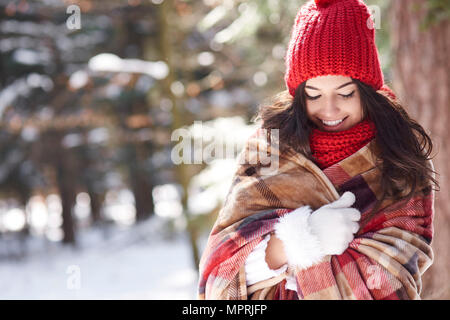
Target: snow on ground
(133,263)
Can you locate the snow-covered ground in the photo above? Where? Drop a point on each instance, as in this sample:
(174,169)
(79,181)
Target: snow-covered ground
(139,262)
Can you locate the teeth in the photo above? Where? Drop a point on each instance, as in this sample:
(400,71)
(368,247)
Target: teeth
(332,123)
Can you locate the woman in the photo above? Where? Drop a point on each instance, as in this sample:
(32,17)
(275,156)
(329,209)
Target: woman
(348,212)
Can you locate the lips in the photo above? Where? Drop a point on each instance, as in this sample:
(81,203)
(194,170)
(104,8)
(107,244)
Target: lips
(333,124)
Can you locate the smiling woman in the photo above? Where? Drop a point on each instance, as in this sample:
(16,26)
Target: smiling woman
(349,214)
(333,102)
(403,145)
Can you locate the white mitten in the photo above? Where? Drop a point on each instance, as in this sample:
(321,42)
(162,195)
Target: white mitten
(335,223)
(309,236)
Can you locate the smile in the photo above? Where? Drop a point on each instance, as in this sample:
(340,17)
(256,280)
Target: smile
(332,123)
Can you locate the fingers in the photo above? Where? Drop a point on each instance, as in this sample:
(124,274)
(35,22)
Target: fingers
(348,238)
(353,214)
(349,214)
(345,201)
(354,227)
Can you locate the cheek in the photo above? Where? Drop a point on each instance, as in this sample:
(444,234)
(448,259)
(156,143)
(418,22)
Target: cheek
(356,109)
(310,113)
(358,105)
(311,108)
(360,111)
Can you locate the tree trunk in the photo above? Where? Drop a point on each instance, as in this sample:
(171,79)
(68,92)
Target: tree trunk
(66,168)
(165,48)
(67,194)
(421,79)
(142,191)
(96,205)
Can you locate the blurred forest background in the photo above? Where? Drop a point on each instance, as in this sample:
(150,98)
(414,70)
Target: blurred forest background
(91,203)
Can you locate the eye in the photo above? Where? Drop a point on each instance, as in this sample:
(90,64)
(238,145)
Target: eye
(346,96)
(312,98)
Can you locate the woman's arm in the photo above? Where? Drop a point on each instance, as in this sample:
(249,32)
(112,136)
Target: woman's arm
(304,238)
(275,254)
(385,260)
(256,267)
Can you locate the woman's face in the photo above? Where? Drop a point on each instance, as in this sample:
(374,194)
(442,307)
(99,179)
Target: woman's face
(333,102)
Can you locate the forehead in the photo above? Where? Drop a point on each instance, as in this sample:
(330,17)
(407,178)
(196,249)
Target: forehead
(329,81)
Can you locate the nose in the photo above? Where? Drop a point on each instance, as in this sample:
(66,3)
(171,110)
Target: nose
(330,109)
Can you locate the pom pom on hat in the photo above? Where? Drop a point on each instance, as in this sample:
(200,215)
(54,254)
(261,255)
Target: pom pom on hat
(323,3)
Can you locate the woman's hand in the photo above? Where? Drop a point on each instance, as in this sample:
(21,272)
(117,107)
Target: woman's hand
(307,236)
(335,223)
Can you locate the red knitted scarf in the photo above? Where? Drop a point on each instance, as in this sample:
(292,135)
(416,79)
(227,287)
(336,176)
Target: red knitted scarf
(329,147)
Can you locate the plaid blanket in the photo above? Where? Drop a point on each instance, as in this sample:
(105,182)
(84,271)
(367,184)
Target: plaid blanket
(385,260)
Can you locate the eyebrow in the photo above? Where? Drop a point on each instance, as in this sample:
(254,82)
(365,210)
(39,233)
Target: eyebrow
(344,85)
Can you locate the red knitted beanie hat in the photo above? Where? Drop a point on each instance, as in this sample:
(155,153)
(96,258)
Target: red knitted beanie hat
(333,37)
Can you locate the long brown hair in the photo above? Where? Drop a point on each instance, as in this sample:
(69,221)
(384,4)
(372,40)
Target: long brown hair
(403,146)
